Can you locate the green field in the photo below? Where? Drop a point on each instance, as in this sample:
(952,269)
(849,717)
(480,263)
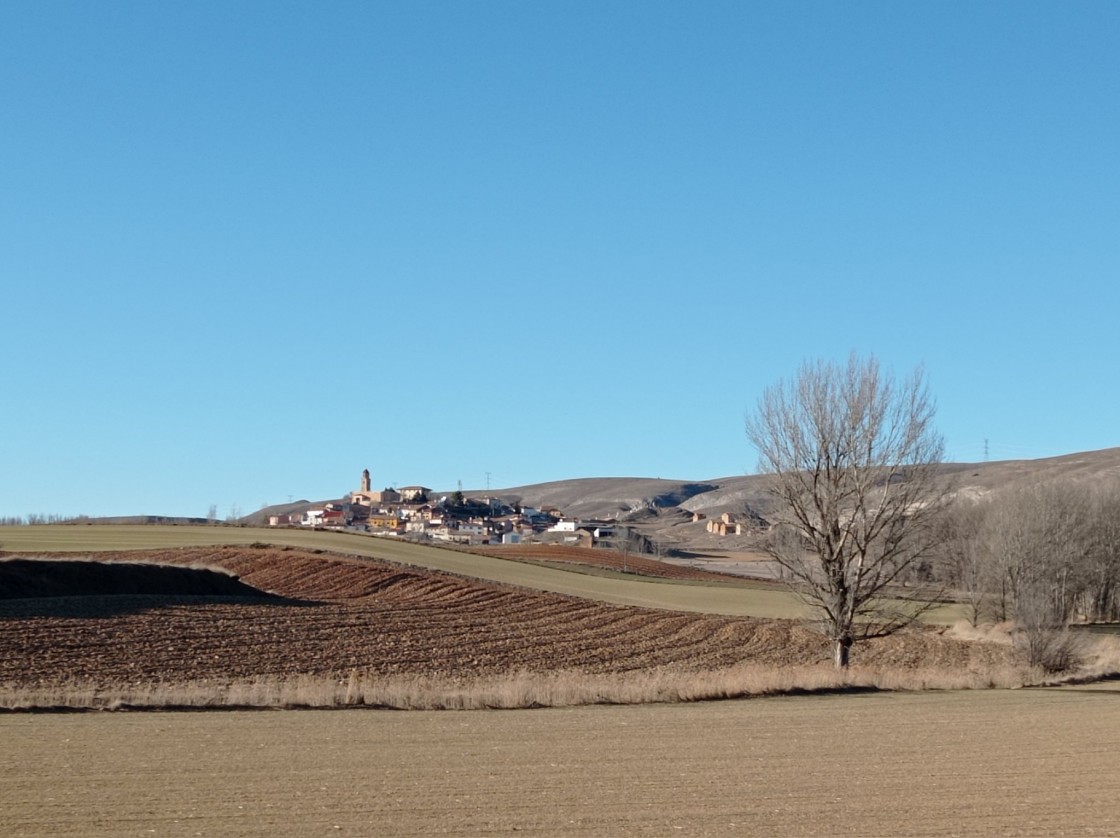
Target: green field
(731,600)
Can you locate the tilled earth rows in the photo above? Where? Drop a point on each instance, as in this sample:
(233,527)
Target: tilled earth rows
(343,614)
(610,559)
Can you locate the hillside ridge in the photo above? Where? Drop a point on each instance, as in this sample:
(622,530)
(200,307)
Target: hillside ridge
(620,498)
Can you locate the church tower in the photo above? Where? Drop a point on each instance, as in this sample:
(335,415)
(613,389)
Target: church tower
(365,480)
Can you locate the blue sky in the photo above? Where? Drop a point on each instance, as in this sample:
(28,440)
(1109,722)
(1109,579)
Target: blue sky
(249,249)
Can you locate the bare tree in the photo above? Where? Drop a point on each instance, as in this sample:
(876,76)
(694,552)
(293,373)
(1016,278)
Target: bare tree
(1035,538)
(853,458)
(1009,539)
(962,562)
(626,541)
(1100,574)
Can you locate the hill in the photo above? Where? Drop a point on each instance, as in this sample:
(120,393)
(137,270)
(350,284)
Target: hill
(608,497)
(332,615)
(663,509)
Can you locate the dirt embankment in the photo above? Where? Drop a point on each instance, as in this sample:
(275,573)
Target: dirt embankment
(336,614)
(38,578)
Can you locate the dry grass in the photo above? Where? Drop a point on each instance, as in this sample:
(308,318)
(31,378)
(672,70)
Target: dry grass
(1099,656)
(514,691)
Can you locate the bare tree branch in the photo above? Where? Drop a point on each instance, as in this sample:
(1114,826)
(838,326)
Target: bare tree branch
(853,457)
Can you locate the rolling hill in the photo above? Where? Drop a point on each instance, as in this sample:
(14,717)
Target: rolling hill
(663,508)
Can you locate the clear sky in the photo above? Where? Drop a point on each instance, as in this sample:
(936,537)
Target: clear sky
(248,249)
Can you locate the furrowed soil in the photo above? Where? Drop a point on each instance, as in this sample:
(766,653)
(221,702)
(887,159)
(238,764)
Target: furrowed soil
(608,559)
(1013,763)
(333,615)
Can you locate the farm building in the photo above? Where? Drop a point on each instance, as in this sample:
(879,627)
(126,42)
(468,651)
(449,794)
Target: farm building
(725,525)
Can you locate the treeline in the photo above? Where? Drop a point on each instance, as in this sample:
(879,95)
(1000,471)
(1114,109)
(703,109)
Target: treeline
(38,518)
(1044,556)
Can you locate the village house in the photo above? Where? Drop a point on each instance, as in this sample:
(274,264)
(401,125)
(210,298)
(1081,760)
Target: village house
(726,524)
(326,517)
(580,538)
(382,522)
(411,511)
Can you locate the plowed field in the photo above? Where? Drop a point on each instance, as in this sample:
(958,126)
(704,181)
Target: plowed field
(987,763)
(344,614)
(608,559)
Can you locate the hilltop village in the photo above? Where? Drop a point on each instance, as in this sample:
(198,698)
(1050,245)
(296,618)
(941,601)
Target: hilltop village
(414,513)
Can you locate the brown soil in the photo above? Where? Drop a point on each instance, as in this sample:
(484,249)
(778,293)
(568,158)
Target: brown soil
(609,559)
(36,578)
(980,763)
(341,614)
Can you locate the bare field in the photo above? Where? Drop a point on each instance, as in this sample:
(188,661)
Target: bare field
(612,560)
(645,593)
(1025,762)
(754,600)
(346,614)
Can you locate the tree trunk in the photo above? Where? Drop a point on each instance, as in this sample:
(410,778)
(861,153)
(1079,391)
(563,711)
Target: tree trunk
(843,652)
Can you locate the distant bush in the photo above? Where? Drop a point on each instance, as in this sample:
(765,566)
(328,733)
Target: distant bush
(38,518)
(1052,648)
